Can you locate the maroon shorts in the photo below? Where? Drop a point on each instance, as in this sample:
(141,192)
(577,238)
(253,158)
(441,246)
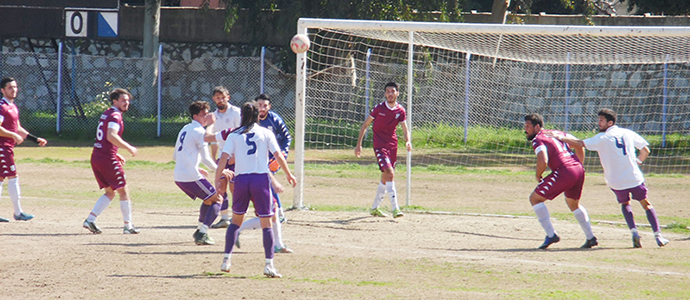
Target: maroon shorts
(108,171)
(566,179)
(7,166)
(386,158)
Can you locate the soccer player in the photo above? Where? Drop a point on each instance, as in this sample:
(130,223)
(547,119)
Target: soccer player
(616,147)
(190,150)
(12,133)
(227,117)
(249,146)
(567,177)
(271,120)
(386,116)
(107,164)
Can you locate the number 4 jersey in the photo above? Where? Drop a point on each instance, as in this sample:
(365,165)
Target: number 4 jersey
(251,149)
(616,149)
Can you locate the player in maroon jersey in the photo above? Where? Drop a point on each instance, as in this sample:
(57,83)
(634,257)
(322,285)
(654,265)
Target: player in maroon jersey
(107,163)
(12,133)
(567,177)
(386,116)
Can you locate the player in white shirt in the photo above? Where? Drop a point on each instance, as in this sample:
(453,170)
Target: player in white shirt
(249,147)
(616,147)
(190,150)
(226,116)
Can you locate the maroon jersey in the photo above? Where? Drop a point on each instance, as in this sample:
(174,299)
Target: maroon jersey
(559,154)
(385,123)
(102,146)
(10,121)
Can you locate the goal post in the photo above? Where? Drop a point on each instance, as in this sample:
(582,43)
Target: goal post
(467,86)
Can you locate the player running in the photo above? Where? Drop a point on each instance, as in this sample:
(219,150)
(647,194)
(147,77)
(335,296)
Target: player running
(249,146)
(567,177)
(616,147)
(107,163)
(190,150)
(386,116)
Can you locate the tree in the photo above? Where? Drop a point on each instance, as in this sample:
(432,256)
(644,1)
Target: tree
(660,7)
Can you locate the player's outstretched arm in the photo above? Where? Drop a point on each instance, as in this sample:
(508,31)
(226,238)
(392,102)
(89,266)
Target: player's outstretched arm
(219,171)
(362,130)
(283,164)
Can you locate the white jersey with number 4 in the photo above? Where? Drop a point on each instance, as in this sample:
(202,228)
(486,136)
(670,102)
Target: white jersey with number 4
(251,149)
(617,154)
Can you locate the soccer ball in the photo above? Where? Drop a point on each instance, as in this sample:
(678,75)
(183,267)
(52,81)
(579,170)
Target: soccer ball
(299,43)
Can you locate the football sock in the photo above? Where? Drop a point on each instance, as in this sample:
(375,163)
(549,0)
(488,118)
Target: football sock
(101,204)
(126,208)
(198,227)
(230,238)
(653,221)
(202,212)
(544,218)
(380,193)
(15,193)
(628,215)
(225,217)
(211,214)
(204,228)
(278,235)
(393,194)
(254,223)
(268,243)
(269,262)
(583,218)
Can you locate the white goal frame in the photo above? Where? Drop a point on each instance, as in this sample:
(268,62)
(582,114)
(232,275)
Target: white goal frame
(304,24)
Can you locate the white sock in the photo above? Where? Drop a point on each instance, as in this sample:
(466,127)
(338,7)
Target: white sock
(269,262)
(278,235)
(254,223)
(544,218)
(203,229)
(126,208)
(583,218)
(227,256)
(198,226)
(393,194)
(15,193)
(101,204)
(633,231)
(224,215)
(380,193)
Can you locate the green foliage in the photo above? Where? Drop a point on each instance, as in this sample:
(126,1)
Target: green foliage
(660,7)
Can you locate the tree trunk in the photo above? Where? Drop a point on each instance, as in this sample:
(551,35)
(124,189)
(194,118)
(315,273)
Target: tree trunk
(149,96)
(499,10)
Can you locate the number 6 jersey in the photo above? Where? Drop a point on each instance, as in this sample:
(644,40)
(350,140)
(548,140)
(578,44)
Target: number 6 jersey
(111,118)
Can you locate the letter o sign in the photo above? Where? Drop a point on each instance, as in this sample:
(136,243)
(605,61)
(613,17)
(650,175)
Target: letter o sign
(75,23)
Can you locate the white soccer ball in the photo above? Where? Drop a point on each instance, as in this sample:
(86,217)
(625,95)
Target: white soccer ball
(299,43)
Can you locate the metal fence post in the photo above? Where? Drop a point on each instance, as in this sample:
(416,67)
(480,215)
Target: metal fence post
(160,71)
(263,72)
(58,108)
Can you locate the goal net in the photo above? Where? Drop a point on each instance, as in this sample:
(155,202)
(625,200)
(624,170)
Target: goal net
(467,87)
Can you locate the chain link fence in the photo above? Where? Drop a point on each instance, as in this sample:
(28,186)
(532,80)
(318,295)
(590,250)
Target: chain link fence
(65,94)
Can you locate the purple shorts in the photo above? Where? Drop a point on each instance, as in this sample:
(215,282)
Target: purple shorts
(386,158)
(7,166)
(639,193)
(201,189)
(255,188)
(228,167)
(108,171)
(566,179)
